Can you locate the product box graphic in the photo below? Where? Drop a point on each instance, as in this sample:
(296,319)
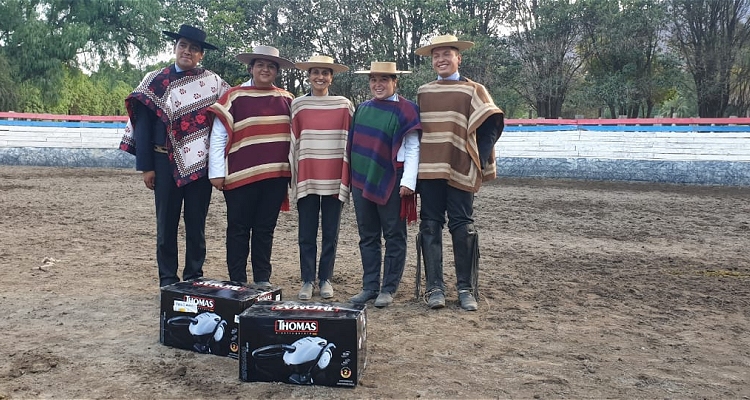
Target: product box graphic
(303,343)
(203,314)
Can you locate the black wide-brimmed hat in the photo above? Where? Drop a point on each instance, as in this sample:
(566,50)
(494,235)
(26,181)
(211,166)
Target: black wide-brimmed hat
(192,33)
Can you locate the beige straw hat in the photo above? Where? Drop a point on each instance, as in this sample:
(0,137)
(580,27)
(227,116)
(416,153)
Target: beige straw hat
(266,53)
(385,68)
(321,62)
(443,41)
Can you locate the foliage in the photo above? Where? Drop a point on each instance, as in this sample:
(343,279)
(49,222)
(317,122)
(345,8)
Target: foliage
(537,58)
(709,34)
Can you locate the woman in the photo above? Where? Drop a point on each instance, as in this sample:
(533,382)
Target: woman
(249,161)
(320,176)
(384,156)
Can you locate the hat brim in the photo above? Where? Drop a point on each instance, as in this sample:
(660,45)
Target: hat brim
(177,36)
(382,72)
(247,58)
(336,68)
(461,45)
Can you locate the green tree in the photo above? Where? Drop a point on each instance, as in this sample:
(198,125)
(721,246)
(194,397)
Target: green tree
(709,34)
(544,40)
(41,37)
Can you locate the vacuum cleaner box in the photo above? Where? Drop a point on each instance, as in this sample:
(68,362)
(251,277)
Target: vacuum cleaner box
(203,314)
(303,343)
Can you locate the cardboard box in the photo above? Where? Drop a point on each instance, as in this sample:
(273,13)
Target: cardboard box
(303,343)
(203,314)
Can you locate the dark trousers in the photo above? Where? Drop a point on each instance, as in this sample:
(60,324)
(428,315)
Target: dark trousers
(169,199)
(252,212)
(326,210)
(372,221)
(437,200)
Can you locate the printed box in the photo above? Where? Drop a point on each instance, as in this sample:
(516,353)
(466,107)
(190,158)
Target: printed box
(203,314)
(303,343)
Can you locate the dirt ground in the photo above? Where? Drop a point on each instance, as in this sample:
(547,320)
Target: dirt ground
(589,290)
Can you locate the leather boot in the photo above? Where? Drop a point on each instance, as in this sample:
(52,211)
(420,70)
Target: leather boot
(466,256)
(432,251)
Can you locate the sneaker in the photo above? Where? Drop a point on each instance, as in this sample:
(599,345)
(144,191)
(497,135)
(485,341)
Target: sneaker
(436,299)
(384,300)
(364,296)
(263,284)
(306,292)
(468,302)
(326,290)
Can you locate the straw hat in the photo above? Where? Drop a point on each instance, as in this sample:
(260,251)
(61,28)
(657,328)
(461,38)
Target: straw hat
(191,33)
(266,53)
(443,41)
(385,68)
(321,62)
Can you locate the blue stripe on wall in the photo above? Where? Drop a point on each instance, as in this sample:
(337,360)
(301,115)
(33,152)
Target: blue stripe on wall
(58,124)
(629,128)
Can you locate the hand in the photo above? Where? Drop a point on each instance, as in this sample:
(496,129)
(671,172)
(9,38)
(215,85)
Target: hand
(218,183)
(405,191)
(149,178)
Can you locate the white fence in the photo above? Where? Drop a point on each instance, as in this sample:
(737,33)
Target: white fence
(677,153)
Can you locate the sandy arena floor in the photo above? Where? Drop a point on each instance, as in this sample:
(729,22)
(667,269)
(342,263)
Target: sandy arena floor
(589,290)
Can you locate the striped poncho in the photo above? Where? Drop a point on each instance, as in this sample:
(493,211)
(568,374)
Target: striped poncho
(257,121)
(451,112)
(320,125)
(378,131)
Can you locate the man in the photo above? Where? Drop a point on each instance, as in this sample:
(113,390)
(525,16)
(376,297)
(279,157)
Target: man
(249,161)
(460,125)
(168,134)
(383,150)
(320,176)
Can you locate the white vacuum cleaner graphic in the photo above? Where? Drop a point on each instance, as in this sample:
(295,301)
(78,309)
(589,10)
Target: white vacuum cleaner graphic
(205,328)
(305,357)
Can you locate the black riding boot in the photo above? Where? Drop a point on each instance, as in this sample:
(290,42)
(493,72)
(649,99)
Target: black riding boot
(466,256)
(431,233)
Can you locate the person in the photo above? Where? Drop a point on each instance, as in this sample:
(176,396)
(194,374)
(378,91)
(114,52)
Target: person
(167,131)
(383,150)
(249,162)
(461,124)
(320,177)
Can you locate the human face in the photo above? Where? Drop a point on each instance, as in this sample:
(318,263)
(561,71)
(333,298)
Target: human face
(320,79)
(264,72)
(445,61)
(187,54)
(382,86)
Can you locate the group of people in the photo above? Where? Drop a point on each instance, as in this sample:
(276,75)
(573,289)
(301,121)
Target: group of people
(191,132)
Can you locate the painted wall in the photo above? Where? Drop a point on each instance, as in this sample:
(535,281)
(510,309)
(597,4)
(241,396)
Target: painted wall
(690,151)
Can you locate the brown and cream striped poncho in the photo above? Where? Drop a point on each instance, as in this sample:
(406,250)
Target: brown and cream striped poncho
(451,112)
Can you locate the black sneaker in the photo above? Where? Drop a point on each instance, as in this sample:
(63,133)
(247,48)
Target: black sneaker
(436,299)
(384,300)
(468,302)
(364,296)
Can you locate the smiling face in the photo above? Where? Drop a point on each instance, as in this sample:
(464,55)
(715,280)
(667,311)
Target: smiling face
(320,79)
(187,54)
(445,61)
(382,86)
(264,72)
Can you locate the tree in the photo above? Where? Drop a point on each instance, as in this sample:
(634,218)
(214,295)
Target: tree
(544,40)
(710,34)
(621,39)
(40,37)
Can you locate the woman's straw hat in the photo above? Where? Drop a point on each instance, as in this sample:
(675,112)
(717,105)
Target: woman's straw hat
(321,62)
(385,68)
